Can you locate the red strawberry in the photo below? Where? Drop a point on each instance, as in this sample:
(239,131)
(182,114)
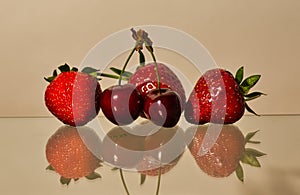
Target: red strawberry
(220,97)
(145,79)
(219,149)
(73,97)
(68,152)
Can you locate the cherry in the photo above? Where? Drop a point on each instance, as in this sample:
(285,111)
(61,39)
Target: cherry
(121,104)
(162,107)
(146,87)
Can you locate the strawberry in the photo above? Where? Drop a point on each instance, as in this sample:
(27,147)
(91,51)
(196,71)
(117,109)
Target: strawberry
(145,79)
(68,153)
(219,97)
(218,150)
(73,97)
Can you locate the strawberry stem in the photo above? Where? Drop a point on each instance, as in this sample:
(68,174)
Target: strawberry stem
(123,182)
(124,67)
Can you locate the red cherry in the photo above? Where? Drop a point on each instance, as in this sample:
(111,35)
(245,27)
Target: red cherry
(121,104)
(163,107)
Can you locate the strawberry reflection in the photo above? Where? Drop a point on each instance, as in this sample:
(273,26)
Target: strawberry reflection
(73,152)
(219,149)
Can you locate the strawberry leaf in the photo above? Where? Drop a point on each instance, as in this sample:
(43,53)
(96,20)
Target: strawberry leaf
(115,169)
(74,69)
(254,152)
(143,179)
(253,95)
(250,160)
(50,168)
(240,173)
(118,72)
(92,72)
(239,75)
(89,70)
(254,142)
(65,181)
(93,176)
(50,79)
(249,136)
(64,68)
(111,76)
(76,179)
(55,73)
(250,110)
(248,83)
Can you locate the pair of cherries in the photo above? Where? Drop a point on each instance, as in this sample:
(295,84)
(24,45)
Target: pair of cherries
(123,104)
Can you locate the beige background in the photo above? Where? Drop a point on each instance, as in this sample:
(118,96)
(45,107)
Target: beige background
(37,36)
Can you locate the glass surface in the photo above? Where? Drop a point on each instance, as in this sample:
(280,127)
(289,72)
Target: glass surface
(23,164)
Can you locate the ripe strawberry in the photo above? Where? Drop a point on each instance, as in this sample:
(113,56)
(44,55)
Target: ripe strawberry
(218,150)
(73,97)
(145,79)
(219,97)
(68,152)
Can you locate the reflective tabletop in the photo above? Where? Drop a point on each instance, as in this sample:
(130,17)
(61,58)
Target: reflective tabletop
(23,163)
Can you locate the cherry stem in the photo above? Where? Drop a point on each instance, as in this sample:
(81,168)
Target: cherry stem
(158,181)
(124,67)
(156,70)
(123,182)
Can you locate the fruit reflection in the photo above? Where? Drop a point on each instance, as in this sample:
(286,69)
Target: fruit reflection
(69,152)
(162,151)
(219,149)
(122,148)
(144,148)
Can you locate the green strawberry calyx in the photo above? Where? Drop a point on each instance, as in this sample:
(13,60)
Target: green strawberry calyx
(245,85)
(249,156)
(66,68)
(67,181)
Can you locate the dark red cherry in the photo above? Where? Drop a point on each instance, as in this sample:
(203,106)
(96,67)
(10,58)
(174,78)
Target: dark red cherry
(121,104)
(162,107)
